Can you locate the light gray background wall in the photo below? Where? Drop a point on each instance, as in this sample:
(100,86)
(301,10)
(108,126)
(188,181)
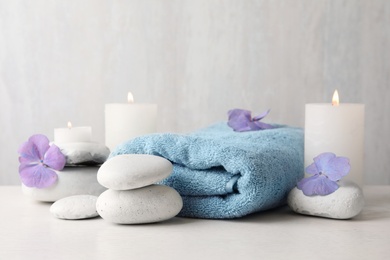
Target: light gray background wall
(63,60)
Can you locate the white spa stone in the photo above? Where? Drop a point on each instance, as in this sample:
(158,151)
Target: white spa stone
(149,204)
(71,181)
(84,153)
(75,207)
(131,171)
(346,202)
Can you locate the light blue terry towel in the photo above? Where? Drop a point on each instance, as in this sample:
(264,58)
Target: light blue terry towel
(225,174)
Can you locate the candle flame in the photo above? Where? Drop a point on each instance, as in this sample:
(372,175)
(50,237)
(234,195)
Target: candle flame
(130,98)
(335,98)
(69,125)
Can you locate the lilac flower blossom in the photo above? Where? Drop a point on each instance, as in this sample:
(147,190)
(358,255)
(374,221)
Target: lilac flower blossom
(326,170)
(37,159)
(240,120)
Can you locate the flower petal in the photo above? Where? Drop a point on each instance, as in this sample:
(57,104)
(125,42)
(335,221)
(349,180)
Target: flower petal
(34,149)
(234,113)
(317,185)
(37,176)
(27,153)
(262,115)
(262,125)
(322,161)
(54,158)
(238,119)
(312,169)
(41,143)
(253,126)
(337,168)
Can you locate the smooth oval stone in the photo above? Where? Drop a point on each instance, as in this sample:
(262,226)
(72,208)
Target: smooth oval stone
(131,171)
(149,204)
(346,202)
(75,207)
(84,153)
(71,181)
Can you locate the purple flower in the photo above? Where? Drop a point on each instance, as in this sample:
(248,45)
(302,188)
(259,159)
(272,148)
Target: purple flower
(36,158)
(327,169)
(240,120)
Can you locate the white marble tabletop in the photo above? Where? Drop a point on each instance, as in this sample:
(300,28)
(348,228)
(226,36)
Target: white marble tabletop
(28,231)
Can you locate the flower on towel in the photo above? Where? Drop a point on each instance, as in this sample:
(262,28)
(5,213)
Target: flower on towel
(326,170)
(241,120)
(37,159)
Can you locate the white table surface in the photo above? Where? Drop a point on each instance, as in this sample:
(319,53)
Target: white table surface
(29,231)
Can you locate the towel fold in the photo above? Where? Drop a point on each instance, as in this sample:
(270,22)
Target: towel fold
(225,174)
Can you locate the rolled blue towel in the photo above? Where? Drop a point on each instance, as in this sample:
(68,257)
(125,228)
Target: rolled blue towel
(225,174)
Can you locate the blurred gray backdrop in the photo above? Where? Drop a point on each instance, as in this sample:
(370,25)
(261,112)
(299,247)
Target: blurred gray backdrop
(63,60)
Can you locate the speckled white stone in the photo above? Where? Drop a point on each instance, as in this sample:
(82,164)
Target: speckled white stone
(346,202)
(131,171)
(149,204)
(71,181)
(75,207)
(84,153)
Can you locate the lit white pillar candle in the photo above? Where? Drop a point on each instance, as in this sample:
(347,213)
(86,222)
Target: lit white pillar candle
(336,128)
(72,134)
(126,121)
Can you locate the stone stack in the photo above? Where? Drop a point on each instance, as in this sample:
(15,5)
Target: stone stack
(132,196)
(79,174)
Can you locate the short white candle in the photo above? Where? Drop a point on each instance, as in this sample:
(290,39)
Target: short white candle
(126,121)
(72,134)
(339,129)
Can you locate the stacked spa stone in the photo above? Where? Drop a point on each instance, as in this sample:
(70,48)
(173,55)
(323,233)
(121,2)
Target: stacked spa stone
(79,174)
(132,196)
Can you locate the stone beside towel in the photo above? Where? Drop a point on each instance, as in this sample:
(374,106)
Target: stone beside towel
(225,174)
